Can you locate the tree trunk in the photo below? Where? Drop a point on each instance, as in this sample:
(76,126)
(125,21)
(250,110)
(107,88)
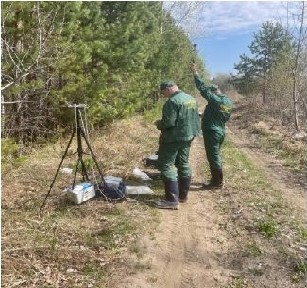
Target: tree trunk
(295,71)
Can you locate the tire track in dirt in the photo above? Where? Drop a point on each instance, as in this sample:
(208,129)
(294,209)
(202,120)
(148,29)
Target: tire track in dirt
(175,249)
(183,250)
(293,190)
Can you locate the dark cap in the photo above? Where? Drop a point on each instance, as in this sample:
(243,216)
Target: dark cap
(166,84)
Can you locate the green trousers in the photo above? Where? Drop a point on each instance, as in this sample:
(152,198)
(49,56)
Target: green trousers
(213,141)
(173,160)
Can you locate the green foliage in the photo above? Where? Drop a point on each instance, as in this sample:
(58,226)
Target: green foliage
(238,282)
(109,55)
(268,227)
(269,45)
(10,153)
(9,149)
(300,271)
(88,163)
(155,113)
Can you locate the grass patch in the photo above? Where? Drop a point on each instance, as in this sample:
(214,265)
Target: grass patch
(79,244)
(265,225)
(300,271)
(238,282)
(268,227)
(267,204)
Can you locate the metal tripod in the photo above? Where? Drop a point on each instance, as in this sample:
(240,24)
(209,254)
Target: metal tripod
(80,133)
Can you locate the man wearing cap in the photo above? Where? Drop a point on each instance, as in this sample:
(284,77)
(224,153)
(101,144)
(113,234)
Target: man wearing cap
(216,114)
(179,125)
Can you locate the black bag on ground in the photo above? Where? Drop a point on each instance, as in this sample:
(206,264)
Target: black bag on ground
(114,188)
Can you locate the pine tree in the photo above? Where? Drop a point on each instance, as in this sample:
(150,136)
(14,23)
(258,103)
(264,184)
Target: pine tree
(270,42)
(108,55)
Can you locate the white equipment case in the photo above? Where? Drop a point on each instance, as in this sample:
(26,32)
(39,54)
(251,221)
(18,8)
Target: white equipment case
(81,193)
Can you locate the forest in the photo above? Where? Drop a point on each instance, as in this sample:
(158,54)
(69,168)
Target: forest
(108,55)
(112,56)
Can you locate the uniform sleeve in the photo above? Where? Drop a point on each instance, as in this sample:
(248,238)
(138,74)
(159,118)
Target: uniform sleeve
(169,116)
(204,90)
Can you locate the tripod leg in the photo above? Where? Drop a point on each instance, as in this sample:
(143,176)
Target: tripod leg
(84,172)
(80,150)
(83,169)
(76,169)
(57,172)
(95,161)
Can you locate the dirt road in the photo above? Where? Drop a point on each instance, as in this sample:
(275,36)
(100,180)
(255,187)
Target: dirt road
(190,248)
(185,250)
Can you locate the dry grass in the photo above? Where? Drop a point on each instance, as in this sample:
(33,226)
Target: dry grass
(272,136)
(83,246)
(268,235)
(68,245)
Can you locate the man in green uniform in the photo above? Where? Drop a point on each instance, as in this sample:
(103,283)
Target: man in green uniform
(179,125)
(216,114)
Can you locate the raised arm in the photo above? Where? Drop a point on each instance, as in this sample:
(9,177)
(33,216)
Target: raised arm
(205,91)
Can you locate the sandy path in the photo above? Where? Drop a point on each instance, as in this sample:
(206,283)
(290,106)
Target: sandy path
(187,243)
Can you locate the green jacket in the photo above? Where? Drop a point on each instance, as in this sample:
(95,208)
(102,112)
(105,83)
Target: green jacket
(180,119)
(218,109)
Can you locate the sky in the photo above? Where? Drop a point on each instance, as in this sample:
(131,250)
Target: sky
(222,30)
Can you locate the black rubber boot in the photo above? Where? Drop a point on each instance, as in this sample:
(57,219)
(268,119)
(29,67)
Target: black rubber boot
(212,176)
(219,177)
(171,196)
(184,187)
(216,181)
